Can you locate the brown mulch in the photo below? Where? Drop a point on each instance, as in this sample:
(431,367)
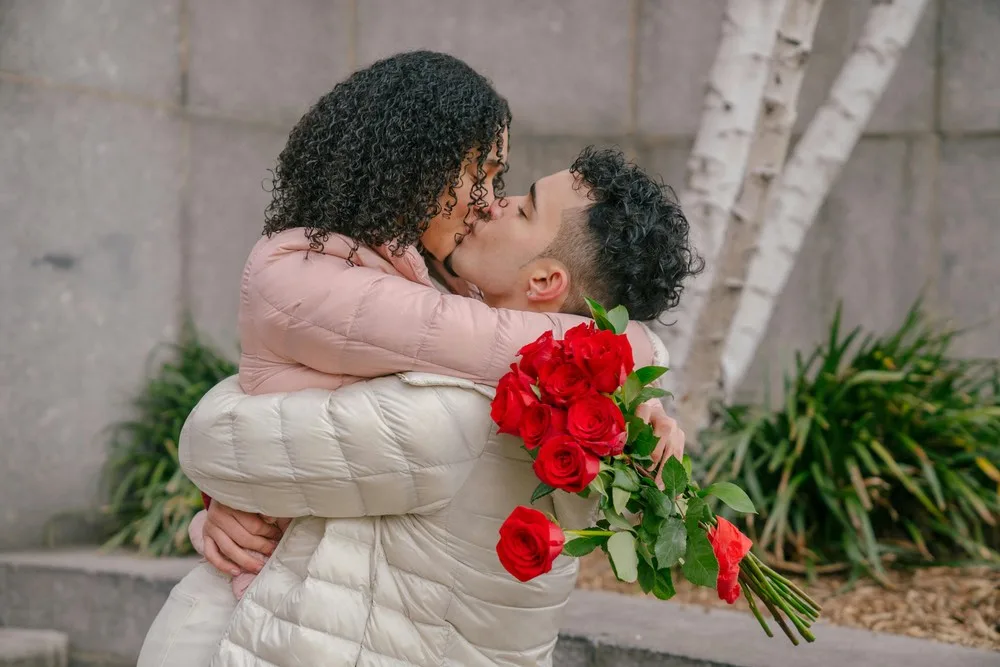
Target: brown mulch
(954,605)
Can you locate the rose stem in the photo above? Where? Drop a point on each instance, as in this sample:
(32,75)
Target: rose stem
(794,600)
(798,591)
(780,601)
(590,533)
(748,594)
(781,621)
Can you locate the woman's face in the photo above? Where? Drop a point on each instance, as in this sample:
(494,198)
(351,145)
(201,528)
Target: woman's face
(447,227)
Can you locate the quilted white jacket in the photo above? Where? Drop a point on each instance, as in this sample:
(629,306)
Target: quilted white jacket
(415,482)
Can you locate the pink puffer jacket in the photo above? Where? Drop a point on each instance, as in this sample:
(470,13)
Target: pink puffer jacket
(314,320)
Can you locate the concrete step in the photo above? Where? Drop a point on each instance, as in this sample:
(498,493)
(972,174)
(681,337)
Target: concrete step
(106,603)
(33,648)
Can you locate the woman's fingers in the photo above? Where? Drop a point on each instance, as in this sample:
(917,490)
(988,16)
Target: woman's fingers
(217,560)
(230,549)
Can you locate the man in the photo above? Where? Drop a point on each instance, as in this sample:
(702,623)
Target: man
(601,229)
(410,468)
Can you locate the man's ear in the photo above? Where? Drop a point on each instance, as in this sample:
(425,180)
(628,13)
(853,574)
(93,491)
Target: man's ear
(548,284)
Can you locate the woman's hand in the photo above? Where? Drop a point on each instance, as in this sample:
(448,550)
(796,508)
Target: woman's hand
(229,533)
(667,430)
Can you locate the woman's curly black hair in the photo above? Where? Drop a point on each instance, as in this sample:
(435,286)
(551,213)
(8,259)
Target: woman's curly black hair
(643,252)
(372,157)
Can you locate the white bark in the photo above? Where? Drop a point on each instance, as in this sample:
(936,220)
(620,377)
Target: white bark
(778,110)
(718,159)
(768,150)
(792,206)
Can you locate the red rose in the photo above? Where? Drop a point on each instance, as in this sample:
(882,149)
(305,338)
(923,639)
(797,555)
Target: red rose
(535,356)
(580,331)
(528,544)
(606,356)
(540,422)
(561,383)
(597,422)
(730,546)
(514,395)
(564,464)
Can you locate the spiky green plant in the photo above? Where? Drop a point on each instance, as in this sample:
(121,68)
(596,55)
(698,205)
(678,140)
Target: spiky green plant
(883,451)
(151,501)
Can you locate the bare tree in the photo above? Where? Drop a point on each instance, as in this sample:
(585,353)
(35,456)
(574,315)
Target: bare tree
(792,205)
(768,151)
(722,145)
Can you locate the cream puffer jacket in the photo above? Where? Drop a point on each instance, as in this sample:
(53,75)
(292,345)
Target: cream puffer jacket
(415,482)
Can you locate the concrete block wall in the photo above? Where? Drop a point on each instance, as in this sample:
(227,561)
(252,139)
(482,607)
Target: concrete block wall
(138,137)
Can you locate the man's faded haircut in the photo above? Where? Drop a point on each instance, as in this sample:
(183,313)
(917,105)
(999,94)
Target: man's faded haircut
(629,247)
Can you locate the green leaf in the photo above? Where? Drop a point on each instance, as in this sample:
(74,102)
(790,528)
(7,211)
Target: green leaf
(599,485)
(645,441)
(644,545)
(686,462)
(664,586)
(616,520)
(697,511)
(657,502)
(647,577)
(595,308)
(618,317)
(671,543)
(875,377)
(649,393)
(600,316)
(700,566)
(626,478)
(619,498)
(675,478)
(541,491)
(581,546)
(733,496)
(650,525)
(624,559)
(648,374)
(630,392)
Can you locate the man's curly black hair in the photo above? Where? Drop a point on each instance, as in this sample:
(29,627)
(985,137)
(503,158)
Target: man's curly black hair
(371,159)
(633,249)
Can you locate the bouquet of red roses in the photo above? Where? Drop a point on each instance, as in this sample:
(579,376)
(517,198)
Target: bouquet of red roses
(573,402)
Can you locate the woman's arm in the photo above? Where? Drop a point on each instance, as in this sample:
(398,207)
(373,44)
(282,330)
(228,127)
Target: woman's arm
(359,321)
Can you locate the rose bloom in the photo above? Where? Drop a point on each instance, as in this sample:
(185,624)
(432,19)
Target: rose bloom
(580,331)
(540,421)
(606,356)
(529,543)
(537,355)
(513,397)
(563,382)
(562,463)
(597,422)
(730,547)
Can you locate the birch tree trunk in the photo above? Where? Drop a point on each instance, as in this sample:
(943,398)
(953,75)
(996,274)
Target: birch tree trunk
(792,206)
(718,159)
(768,150)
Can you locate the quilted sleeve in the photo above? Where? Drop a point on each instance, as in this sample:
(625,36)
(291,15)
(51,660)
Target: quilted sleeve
(359,321)
(372,448)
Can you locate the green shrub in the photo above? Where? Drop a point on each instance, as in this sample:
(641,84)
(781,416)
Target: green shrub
(883,452)
(152,502)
